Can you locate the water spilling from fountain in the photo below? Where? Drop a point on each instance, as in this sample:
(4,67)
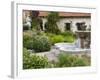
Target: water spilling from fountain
(82,43)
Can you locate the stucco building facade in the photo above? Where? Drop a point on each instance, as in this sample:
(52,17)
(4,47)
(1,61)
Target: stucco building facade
(70,21)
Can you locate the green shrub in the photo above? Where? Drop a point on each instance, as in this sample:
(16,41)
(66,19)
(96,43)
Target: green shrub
(67,33)
(26,59)
(57,39)
(27,41)
(68,60)
(39,62)
(34,61)
(54,38)
(41,44)
(50,34)
(80,62)
(36,41)
(63,37)
(64,60)
(68,36)
(69,39)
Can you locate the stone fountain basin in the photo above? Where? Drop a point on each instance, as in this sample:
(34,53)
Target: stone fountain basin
(70,48)
(65,45)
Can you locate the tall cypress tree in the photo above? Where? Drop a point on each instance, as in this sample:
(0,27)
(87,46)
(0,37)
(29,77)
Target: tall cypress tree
(51,25)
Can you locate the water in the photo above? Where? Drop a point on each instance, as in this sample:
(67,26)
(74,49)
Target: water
(78,43)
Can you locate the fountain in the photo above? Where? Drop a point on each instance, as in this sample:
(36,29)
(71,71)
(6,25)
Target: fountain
(81,45)
(84,37)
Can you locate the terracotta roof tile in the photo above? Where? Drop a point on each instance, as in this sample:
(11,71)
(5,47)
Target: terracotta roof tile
(63,14)
(67,14)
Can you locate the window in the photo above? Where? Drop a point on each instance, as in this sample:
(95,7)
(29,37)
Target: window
(81,26)
(67,26)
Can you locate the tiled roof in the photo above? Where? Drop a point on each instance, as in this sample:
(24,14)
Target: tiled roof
(67,14)
(62,14)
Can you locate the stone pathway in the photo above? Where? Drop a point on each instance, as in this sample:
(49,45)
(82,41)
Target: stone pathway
(53,53)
